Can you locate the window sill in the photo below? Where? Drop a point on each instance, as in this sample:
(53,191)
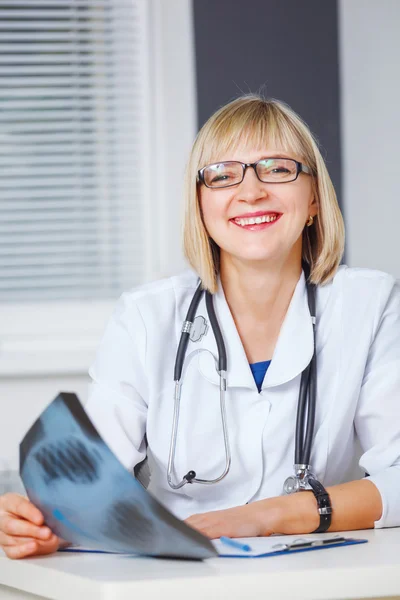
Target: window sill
(51,338)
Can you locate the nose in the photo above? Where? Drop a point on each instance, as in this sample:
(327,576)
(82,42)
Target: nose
(251,189)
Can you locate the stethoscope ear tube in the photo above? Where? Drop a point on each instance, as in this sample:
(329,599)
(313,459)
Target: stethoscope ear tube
(307,385)
(311,408)
(185,335)
(301,415)
(222,362)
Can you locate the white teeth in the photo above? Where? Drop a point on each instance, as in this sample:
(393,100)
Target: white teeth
(256,220)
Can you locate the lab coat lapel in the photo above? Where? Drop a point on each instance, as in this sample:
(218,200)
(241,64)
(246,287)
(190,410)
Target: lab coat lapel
(295,344)
(292,353)
(239,373)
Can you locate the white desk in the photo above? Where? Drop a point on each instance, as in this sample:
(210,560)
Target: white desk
(366,571)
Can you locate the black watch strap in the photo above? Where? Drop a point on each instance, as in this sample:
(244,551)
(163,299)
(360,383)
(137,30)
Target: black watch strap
(324,505)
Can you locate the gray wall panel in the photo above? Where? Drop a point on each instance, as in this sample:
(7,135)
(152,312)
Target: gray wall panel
(288,50)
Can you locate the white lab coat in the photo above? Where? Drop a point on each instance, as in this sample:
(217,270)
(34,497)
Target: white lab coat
(357,426)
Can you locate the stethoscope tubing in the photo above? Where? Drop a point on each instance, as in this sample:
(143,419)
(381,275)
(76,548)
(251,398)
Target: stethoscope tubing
(185,334)
(307,393)
(190,477)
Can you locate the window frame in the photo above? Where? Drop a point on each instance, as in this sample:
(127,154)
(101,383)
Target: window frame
(52,338)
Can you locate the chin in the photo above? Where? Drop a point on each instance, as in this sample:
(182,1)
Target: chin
(254,257)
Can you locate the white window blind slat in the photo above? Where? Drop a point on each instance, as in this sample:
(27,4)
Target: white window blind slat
(63,136)
(74,121)
(31,127)
(73,179)
(75,69)
(55,248)
(61,12)
(15,83)
(64,91)
(65,281)
(67,48)
(66,258)
(43,159)
(54,194)
(74,169)
(66,3)
(63,36)
(81,220)
(65,25)
(68,102)
(73,237)
(16,220)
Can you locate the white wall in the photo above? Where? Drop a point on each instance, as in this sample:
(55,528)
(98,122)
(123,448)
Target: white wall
(370,89)
(22,400)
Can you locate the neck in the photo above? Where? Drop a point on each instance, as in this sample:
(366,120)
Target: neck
(259,291)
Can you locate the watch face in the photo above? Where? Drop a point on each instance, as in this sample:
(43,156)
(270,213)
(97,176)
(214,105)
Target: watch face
(291,485)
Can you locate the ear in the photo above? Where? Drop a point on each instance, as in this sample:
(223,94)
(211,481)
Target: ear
(313,206)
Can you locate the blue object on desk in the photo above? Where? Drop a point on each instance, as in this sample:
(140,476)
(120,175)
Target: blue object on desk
(264,547)
(235,544)
(85,550)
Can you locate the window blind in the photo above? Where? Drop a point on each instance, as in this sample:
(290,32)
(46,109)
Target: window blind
(73,125)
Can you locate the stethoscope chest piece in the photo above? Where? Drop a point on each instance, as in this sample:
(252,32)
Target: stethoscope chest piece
(198,329)
(291,485)
(298,481)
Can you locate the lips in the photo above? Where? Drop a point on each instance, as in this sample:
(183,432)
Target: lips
(260,213)
(256,222)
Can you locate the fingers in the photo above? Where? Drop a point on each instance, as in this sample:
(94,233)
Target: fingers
(20,551)
(10,540)
(31,547)
(21,507)
(201,524)
(11,525)
(22,529)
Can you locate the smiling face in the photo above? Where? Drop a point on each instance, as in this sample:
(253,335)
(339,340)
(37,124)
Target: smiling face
(256,222)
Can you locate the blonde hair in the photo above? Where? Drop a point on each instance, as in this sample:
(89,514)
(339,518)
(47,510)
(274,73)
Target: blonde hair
(252,119)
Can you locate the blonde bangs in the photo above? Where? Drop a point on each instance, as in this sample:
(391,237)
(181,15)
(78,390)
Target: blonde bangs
(253,122)
(249,125)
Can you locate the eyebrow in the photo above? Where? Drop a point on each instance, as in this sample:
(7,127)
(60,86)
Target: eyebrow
(269,155)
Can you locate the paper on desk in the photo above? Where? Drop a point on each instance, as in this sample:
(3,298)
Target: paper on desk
(273,545)
(88,498)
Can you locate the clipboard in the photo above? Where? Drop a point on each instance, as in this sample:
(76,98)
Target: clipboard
(281,545)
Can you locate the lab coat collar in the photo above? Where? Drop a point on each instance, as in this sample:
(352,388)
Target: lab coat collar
(293,350)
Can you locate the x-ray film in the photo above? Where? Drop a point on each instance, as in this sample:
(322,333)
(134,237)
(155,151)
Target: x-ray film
(88,497)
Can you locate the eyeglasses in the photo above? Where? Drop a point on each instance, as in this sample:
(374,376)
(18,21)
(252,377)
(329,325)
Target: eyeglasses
(268,170)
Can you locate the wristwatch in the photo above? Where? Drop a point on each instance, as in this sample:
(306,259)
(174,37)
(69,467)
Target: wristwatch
(324,504)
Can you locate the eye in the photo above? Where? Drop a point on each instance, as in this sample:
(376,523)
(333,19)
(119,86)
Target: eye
(276,169)
(279,170)
(220,178)
(221,174)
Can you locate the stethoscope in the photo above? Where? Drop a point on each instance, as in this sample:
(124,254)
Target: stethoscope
(305,407)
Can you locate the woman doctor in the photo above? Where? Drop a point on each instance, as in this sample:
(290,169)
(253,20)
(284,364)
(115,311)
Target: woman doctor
(261,218)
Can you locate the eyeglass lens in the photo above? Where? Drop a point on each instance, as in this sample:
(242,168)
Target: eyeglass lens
(269,170)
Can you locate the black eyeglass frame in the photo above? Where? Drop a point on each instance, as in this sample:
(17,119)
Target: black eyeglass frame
(300,168)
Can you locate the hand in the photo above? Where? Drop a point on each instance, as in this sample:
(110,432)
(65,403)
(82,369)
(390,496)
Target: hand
(22,529)
(250,520)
